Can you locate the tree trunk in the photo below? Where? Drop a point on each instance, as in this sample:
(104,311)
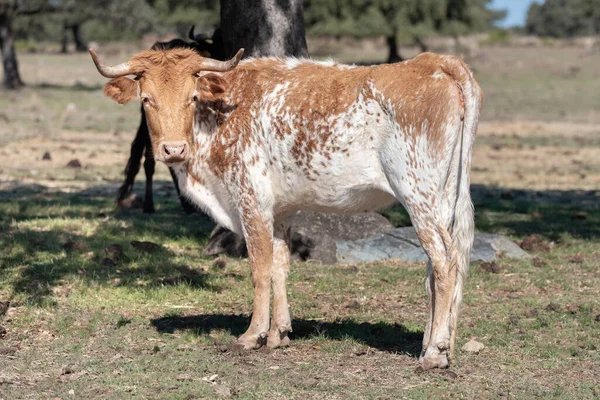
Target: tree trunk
(422,45)
(80,44)
(393,56)
(64,48)
(12,79)
(263,27)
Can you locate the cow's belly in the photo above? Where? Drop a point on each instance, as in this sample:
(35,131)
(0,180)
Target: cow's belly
(351,182)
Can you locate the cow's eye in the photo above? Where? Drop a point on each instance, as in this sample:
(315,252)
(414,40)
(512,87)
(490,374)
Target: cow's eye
(195,99)
(146,100)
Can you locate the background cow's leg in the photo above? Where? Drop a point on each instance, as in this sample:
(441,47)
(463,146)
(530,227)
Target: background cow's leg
(135,160)
(187,205)
(258,232)
(149,165)
(281,324)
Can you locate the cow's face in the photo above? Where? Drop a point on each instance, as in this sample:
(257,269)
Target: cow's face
(170,85)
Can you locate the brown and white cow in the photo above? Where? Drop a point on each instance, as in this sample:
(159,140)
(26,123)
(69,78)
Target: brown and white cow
(253,143)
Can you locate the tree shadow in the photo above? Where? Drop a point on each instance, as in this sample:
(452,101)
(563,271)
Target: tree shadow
(394,338)
(39,256)
(34,251)
(548,213)
(520,213)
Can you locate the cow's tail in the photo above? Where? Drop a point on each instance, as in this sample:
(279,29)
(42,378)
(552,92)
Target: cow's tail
(462,228)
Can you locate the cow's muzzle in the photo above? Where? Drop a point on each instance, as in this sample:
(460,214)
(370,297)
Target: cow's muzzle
(172,152)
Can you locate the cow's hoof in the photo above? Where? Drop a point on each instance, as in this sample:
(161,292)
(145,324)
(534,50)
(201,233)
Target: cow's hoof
(430,361)
(278,339)
(250,342)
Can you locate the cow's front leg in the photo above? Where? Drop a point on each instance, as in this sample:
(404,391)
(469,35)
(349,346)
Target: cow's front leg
(258,232)
(281,324)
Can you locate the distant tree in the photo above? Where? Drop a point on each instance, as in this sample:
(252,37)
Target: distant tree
(263,27)
(9,10)
(12,79)
(564,18)
(399,20)
(131,15)
(179,15)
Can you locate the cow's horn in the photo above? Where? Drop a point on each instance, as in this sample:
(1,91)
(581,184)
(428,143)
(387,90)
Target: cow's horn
(111,71)
(191,33)
(208,64)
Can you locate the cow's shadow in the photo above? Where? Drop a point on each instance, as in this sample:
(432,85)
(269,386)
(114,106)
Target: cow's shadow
(395,338)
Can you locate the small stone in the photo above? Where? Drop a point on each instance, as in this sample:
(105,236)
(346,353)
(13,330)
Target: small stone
(534,243)
(597,318)
(219,263)
(473,346)
(74,163)
(47,156)
(114,252)
(132,201)
(78,247)
(66,370)
(211,378)
(538,262)
(4,307)
(577,259)
(8,351)
(107,262)
(2,332)
(353,305)
(148,247)
(71,108)
(491,267)
(449,374)
(222,390)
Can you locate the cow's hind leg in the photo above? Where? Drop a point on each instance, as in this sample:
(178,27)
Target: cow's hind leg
(281,324)
(441,285)
(443,219)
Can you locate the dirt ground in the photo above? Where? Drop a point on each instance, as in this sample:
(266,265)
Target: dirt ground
(82,323)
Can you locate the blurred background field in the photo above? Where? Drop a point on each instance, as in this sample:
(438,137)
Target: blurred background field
(160,324)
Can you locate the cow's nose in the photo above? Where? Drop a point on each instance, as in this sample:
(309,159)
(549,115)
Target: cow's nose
(174,151)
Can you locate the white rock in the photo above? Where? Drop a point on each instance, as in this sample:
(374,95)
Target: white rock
(473,346)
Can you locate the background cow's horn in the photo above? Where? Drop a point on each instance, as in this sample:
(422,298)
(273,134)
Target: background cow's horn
(111,71)
(196,37)
(208,64)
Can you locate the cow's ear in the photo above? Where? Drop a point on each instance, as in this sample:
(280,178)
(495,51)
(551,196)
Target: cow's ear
(211,87)
(121,89)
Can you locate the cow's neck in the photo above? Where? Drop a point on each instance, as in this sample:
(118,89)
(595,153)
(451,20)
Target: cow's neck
(197,180)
